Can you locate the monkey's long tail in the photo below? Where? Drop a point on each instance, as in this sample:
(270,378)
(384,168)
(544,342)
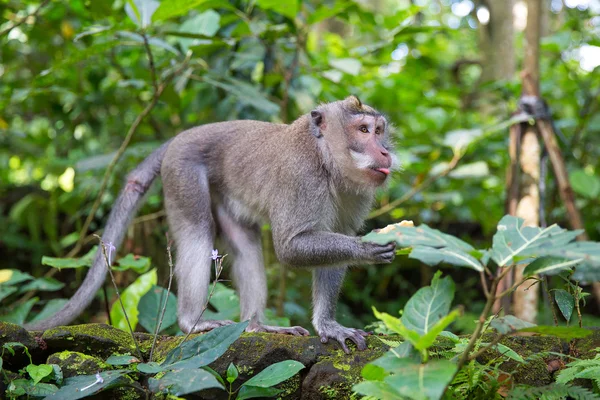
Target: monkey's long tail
(123,211)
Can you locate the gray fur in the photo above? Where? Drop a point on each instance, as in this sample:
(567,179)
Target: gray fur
(225,179)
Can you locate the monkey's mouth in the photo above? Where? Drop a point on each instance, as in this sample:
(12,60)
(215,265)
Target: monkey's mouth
(379,174)
(384,171)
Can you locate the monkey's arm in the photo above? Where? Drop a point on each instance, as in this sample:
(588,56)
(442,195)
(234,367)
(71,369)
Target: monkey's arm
(322,248)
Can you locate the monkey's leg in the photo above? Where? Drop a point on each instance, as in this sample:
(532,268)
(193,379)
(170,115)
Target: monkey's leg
(249,274)
(187,201)
(326,288)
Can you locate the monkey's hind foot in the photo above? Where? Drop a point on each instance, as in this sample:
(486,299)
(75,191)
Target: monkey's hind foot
(286,330)
(204,326)
(340,334)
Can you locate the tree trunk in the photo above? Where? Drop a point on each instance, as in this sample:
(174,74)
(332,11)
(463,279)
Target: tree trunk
(496,41)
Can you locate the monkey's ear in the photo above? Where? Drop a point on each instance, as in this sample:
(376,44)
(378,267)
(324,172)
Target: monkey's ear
(317,123)
(354,101)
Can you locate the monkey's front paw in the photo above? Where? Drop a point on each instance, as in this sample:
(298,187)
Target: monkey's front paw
(286,330)
(340,334)
(380,253)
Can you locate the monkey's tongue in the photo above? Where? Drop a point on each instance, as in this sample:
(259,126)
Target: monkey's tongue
(383,170)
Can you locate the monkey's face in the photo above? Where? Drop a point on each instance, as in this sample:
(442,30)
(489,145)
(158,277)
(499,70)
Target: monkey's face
(369,148)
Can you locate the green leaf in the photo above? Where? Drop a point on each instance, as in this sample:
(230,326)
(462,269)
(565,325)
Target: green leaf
(43,284)
(18,315)
(432,256)
(373,372)
(232,373)
(141,11)
(82,386)
(396,325)
(245,92)
(565,302)
(513,239)
(287,8)
(461,138)
(139,264)
(122,360)
(227,303)
(204,24)
(507,352)
(131,298)
(426,341)
(184,381)
(204,349)
(274,374)
(421,381)
(250,392)
(175,8)
(10,277)
(39,372)
(509,324)
(478,169)
(550,265)
(350,66)
(429,304)
(585,184)
(51,308)
(377,390)
(150,368)
(6,291)
(151,305)
(60,263)
(421,235)
(562,332)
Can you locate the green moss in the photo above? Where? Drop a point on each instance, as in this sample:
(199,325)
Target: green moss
(329,392)
(74,363)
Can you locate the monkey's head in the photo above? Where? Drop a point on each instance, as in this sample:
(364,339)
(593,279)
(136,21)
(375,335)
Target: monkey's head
(358,140)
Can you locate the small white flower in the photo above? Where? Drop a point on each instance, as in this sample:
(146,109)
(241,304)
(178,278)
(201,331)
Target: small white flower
(99,379)
(215,254)
(111,247)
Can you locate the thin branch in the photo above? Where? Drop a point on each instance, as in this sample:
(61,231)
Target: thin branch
(162,315)
(491,345)
(112,278)
(24,19)
(484,284)
(150,61)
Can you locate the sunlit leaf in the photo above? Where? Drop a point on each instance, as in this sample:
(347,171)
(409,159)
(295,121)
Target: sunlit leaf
(275,373)
(131,298)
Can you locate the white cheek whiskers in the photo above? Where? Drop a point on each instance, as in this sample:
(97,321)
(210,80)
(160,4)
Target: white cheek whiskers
(362,161)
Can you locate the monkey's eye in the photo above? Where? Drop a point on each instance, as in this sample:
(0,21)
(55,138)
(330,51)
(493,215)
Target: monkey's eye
(378,131)
(363,129)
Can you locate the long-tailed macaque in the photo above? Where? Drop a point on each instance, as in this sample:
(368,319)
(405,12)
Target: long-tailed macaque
(312,180)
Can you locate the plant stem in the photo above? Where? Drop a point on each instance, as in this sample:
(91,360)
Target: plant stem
(164,308)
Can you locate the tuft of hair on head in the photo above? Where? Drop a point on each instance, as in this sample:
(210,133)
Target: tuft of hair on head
(353,103)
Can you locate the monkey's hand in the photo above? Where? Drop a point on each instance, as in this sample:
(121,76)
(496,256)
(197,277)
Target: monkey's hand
(286,330)
(333,330)
(379,253)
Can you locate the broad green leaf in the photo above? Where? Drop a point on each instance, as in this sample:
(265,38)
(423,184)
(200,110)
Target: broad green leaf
(10,277)
(563,332)
(251,392)
(373,372)
(131,298)
(82,386)
(461,138)
(141,11)
(513,239)
(396,325)
(226,302)
(377,390)
(203,24)
(152,41)
(325,11)
(274,374)
(39,372)
(60,263)
(478,169)
(139,264)
(287,8)
(509,323)
(350,66)
(43,284)
(6,291)
(565,302)
(184,381)
(421,381)
(149,368)
(232,373)
(151,306)
(588,251)
(175,8)
(585,184)
(121,360)
(205,348)
(421,235)
(426,341)
(22,387)
(428,305)
(58,374)
(245,92)
(507,352)
(18,315)
(433,256)
(550,265)
(51,308)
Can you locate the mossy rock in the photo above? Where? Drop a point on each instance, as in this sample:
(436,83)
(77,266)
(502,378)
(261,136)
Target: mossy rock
(73,363)
(14,333)
(91,339)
